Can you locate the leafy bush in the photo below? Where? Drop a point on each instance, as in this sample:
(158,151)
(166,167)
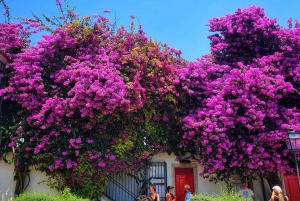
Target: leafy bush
(132,98)
(66,195)
(221,196)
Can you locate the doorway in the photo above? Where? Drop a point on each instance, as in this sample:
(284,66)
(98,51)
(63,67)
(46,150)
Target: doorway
(292,187)
(183,176)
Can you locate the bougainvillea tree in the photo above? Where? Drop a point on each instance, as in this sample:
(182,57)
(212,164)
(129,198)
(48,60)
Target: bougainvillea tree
(14,39)
(97,101)
(245,95)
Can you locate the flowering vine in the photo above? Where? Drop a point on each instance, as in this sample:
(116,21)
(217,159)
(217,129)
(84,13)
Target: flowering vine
(245,96)
(97,101)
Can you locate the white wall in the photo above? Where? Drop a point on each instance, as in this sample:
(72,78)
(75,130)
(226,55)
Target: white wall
(35,178)
(258,189)
(203,185)
(7,183)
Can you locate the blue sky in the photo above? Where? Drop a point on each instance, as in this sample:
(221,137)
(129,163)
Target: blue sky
(179,23)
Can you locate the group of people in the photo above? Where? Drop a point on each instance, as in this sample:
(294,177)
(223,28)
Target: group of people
(277,194)
(154,196)
(171,197)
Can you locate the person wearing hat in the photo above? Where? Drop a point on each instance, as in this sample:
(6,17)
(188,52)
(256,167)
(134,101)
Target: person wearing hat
(187,192)
(277,194)
(169,195)
(247,192)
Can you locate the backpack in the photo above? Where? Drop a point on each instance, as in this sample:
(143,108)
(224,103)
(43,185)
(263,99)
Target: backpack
(143,198)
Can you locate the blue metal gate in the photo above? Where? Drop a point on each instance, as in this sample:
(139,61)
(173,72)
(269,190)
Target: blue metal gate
(126,186)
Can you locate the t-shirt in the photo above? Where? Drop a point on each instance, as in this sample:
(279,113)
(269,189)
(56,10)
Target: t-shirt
(188,196)
(247,193)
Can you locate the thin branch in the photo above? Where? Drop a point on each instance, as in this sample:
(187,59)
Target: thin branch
(6,12)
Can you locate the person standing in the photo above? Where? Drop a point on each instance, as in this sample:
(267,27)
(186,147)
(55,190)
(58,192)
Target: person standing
(143,190)
(247,192)
(169,195)
(277,194)
(153,194)
(187,192)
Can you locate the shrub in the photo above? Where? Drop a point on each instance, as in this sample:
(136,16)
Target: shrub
(66,195)
(223,195)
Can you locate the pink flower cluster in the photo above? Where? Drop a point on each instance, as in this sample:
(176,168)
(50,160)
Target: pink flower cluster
(243,96)
(98,100)
(12,40)
(84,89)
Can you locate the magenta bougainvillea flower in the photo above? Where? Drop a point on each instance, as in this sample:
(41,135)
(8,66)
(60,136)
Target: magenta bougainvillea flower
(92,98)
(97,100)
(245,96)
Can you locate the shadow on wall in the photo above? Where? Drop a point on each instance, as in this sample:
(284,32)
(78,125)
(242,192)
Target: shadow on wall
(35,178)
(7,183)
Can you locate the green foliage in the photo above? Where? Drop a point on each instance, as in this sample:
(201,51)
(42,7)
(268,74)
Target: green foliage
(4,136)
(121,149)
(66,195)
(55,182)
(223,195)
(90,185)
(9,124)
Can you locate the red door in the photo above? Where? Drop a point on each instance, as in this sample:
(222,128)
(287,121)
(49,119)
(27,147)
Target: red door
(183,176)
(292,187)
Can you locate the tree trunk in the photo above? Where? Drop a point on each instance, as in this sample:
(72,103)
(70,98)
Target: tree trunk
(21,175)
(21,171)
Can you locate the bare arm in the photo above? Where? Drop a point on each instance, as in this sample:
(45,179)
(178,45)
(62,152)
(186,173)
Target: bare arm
(272,196)
(158,198)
